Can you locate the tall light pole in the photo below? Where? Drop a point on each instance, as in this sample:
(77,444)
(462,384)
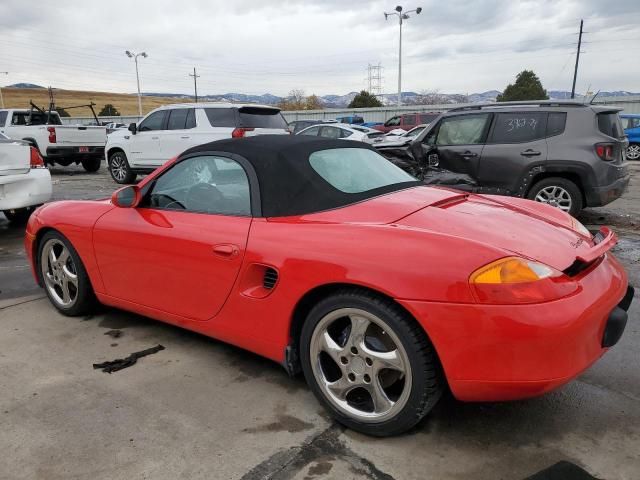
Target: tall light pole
(402,16)
(135,58)
(2,99)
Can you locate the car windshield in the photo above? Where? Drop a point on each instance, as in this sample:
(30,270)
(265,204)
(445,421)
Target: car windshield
(356,170)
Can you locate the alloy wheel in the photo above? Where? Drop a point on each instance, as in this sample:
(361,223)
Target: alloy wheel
(633,152)
(59,273)
(555,196)
(360,365)
(118,167)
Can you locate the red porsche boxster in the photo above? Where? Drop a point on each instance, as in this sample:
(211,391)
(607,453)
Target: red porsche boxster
(327,258)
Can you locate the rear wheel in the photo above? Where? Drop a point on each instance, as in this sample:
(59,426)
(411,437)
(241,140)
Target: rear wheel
(64,277)
(558,192)
(92,164)
(633,151)
(369,363)
(119,168)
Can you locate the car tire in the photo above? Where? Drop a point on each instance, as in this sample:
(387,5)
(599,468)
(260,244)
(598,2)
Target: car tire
(19,216)
(558,192)
(633,151)
(92,164)
(119,168)
(381,377)
(63,276)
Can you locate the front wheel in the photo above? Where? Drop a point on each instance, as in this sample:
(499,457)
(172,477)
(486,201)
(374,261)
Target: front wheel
(91,164)
(119,168)
(633,151)
(63,275)
(558,192)
(369,363)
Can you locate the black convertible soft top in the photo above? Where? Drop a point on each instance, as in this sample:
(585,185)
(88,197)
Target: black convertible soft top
(287,182)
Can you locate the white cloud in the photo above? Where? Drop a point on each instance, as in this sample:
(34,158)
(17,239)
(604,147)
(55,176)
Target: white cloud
(320,46)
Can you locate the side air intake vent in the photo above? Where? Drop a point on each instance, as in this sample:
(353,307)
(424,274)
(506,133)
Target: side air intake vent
(270,278)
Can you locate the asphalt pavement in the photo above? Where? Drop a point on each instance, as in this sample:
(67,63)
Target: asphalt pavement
(203,409)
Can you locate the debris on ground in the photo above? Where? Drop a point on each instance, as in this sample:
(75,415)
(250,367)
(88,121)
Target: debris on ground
(120,363)
(114,333)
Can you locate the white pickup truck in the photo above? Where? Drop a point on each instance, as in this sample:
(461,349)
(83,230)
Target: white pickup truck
(57,143)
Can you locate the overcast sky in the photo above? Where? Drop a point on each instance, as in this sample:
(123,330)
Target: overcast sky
(320,46)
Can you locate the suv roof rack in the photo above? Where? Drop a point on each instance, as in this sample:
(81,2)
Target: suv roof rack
(530,103)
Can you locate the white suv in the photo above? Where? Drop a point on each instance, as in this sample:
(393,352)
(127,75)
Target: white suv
(170,130)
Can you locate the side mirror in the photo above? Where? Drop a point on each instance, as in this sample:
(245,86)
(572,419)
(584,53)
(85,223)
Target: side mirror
(126,197)
(133,128)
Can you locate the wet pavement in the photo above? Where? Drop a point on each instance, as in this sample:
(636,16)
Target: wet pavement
(203,409)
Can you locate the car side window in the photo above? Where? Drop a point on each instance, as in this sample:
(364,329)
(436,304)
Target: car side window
(519,127)
(462,130)
(203,184)
(409,120)
(345,133)
(178,118)
(330,132)
(190,122)
(312,131)
(155,121)
(392,122)
(556,122)
(3,118)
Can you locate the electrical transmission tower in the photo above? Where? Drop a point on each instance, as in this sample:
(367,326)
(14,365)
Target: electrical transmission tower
(375,79)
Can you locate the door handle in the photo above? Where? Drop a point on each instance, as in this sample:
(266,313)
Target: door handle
(155,138)
(185,137)
(226,250)
(469,154)
(530,153)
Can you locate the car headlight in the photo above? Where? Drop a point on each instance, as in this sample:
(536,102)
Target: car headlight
(516,280)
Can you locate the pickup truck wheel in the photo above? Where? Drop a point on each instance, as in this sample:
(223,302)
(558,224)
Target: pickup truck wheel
(119,168)
(92,164)
(558,192)
(633,151)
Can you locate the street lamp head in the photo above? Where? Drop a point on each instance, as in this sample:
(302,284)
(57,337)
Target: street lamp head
(128,54)
(144,54)
(386,16)
(399,8)
(418,10)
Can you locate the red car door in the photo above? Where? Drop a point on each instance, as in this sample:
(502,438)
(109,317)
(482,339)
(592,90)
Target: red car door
(181,250)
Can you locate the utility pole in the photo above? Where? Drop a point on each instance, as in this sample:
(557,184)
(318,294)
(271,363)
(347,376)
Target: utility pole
(2,99)
(575,72)
(195,83)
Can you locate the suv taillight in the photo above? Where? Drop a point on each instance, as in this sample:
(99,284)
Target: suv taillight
(52,134)
(36,159)
(605,151)
(240,132)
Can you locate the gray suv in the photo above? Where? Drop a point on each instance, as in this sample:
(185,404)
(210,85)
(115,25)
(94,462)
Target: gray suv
(567,154)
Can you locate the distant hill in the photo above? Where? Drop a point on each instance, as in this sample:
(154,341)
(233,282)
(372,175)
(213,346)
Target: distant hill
(24,85)
(19,95)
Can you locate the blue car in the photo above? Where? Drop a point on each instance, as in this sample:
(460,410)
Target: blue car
(351,120)
(631,125)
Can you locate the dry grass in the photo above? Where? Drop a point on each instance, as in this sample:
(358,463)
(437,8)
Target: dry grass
(126,104)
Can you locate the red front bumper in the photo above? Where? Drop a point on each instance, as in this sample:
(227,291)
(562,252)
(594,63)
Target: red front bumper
(507,352)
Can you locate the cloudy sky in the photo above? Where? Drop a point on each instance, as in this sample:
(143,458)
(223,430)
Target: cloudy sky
(320,46)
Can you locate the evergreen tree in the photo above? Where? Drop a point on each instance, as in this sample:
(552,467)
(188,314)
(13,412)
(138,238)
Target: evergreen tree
(109,111)
(365,99)
(526,87)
